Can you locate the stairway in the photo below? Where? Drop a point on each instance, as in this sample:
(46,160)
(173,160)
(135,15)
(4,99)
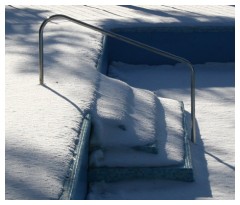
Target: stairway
(137,135)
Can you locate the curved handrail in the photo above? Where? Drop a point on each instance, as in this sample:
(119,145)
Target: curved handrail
(127,40)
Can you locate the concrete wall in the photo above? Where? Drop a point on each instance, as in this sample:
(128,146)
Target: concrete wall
(198,45)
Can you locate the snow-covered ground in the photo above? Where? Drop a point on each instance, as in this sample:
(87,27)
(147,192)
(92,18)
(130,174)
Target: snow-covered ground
(42,123)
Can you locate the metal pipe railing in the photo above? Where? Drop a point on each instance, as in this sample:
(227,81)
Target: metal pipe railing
(127,40)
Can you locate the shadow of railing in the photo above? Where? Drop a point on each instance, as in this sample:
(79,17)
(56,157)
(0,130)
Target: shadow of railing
(65,98)
(201,187)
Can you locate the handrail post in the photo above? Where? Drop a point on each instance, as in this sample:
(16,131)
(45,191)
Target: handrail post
(41,62)
(41,74)
(193,126)
(129,41)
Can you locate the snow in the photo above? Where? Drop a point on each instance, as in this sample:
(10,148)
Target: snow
(119,107)
(215,134)
(42,123)
(168,138)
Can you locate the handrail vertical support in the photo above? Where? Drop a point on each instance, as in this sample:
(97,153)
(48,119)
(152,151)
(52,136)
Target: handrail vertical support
(41,74)
(41,71)
(193,117)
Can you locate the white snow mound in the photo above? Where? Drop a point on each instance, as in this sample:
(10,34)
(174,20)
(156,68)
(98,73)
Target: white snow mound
(133,127)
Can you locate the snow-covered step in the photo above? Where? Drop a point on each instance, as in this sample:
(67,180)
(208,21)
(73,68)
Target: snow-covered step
(128,165)
(137,135)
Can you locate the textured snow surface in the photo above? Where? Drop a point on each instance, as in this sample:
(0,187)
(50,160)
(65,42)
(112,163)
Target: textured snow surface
(213,155)
(42,123)
(117,115)
(169,137)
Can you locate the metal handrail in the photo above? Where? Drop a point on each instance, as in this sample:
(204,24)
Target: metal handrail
(127,40)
